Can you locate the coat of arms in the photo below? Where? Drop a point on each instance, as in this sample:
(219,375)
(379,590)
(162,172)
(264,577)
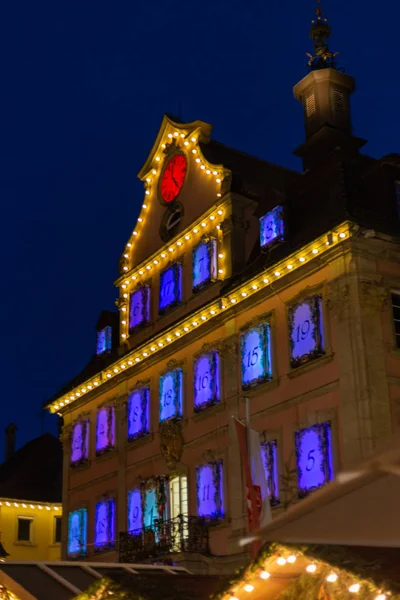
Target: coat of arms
(171,441)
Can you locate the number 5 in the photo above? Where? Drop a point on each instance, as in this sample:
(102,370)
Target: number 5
(310,459)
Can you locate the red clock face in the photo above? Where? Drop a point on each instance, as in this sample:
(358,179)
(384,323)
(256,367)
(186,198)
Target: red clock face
(173,178)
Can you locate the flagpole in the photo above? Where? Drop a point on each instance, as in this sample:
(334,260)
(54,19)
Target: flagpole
(247,421)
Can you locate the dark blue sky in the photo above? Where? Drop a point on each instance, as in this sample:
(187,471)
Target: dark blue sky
(84,86)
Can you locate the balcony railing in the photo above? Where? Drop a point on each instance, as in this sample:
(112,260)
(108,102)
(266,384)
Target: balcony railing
(181,534)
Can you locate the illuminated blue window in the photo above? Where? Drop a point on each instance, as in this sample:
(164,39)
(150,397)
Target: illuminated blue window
(270,462)
(306,331)
(104,536)
(135,510)
(139,308)
(210,490)
(272,226)
(77,533)
(104,339)
(170,287)
(171,395)
(206,381)
(255,350)
(138,413)
(204,264)
(150,507)
(313,457)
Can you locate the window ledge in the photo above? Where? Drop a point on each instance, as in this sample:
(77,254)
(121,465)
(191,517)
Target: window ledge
(265,387)
(21,543)
(55,545)
(312,364)
(220,524)
(138,442)
(209,412)
(81,467)
(106,455)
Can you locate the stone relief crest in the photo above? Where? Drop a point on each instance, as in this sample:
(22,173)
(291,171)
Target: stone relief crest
(171,441)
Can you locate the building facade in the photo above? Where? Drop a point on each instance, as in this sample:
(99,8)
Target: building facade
(30,498)
(241,279)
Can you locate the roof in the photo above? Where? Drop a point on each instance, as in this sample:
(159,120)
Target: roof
(362,503)
(159,586)
(299,571)
(251,176)
(34,472)
(66,580)
(346,186)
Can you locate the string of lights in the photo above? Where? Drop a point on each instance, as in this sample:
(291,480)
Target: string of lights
(210,311)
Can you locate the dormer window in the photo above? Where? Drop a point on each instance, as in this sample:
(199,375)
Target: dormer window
(104,339)
(271,226)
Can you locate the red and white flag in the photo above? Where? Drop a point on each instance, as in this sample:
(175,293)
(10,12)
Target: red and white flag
(258,506)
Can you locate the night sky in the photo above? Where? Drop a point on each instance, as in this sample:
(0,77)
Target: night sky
(84,86)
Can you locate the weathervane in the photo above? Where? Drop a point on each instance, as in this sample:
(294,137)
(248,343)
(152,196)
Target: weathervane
(320,31)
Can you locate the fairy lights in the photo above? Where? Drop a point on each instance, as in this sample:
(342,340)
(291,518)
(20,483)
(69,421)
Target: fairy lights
(247,289)
(23,504)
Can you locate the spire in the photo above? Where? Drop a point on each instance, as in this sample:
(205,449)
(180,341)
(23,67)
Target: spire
(320,31)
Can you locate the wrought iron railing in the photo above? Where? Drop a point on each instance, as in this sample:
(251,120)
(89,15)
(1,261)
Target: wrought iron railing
(181,534)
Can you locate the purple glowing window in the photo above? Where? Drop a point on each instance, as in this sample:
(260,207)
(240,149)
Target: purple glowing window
(80,442)
(104,338)
(306,331)
(210,494)
(170,287)
(105,429)
(77,533)
(138,413)
(171,395)
(270,462)
(255,350)
(206,381)
(314,457)
(104,524)
(204,264)
(134,510)
(139,307)
(272,226)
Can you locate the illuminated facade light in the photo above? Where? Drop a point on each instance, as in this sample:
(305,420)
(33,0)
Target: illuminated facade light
(355,588)
(265,575)
(311,568)
(315,251)
(332,577)
(277,273)
(281,561)
(248,587)
(342,235)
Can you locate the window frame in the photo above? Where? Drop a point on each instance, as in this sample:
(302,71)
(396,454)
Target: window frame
(266,324)
(30,520)
(57,519)
(177,268)
(396,336)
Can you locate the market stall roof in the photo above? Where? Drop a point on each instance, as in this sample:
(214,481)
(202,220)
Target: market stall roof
(360,507)
(293,572)
(29,580)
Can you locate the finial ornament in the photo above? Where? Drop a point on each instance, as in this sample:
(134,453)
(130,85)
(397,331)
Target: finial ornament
(320,31)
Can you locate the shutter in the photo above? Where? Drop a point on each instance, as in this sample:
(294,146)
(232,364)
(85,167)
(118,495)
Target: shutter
(310,105)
